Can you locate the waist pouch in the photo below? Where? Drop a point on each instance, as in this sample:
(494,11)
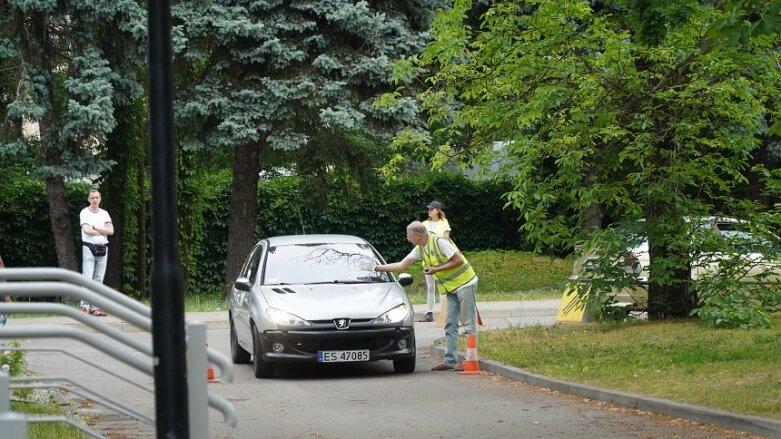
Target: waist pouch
(97,249)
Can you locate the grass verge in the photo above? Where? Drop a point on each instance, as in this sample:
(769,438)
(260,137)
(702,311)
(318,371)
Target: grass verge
(503,276)
(46,430)
(730,369)
(506,275)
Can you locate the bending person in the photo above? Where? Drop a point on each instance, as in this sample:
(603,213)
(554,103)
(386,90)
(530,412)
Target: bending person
(453,276)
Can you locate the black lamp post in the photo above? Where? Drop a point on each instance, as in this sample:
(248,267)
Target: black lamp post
(168,337)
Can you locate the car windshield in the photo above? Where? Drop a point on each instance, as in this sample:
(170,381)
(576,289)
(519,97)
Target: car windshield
(321,263)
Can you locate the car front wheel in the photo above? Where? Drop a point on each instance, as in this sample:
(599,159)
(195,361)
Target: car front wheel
(238,354)
(404,365)
(263,369)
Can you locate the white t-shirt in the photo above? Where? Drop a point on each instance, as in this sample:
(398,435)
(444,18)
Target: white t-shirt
(97,219)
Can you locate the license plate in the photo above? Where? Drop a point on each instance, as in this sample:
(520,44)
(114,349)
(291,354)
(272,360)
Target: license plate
(340,356)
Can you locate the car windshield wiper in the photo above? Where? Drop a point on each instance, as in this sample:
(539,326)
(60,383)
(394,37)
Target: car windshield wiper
(339,281)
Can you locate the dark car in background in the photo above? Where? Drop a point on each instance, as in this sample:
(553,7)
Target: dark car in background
(310,298)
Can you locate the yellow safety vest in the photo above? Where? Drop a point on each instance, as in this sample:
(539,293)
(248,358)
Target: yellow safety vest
(449,280)
(440,227)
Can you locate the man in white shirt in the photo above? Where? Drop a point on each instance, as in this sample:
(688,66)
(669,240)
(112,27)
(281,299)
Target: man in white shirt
(96,226)
(453,276)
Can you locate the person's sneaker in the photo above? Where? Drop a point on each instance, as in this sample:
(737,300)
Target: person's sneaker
(429,317)
(97,312)
(459,367)
(441,366)
(84,310)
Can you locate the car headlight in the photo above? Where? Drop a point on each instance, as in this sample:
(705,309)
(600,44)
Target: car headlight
(395,315)
(283,318)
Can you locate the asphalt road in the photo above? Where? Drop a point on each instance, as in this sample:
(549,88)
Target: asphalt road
(368,400)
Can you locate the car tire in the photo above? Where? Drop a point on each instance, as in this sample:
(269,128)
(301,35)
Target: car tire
(404,365)
(263,369)
(238,354)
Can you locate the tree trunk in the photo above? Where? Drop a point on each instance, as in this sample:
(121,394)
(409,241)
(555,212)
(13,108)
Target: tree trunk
(116,185)
(673,299)
(60,218)
(591,220)
(141,266)
(243,209)
(37,48)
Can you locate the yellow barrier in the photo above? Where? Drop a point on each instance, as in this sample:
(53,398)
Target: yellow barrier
(571,309)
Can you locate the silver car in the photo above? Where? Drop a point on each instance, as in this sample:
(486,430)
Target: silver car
(314,298)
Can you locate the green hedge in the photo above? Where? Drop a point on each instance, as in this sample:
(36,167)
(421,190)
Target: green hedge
(474,209)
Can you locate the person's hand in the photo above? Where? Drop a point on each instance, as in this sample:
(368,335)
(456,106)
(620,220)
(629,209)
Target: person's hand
(367,264)
(428,270)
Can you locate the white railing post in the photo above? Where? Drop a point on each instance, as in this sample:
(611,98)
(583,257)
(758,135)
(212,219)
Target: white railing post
(13,425)
(198,392)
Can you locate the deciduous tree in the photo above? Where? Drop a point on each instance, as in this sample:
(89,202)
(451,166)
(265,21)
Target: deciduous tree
(593,108)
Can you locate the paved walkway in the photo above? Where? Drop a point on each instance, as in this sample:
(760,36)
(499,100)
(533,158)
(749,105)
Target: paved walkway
(508,312)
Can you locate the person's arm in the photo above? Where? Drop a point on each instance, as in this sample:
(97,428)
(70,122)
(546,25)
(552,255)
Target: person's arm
(107,229)
(453,262)
(89,229)
(396,266)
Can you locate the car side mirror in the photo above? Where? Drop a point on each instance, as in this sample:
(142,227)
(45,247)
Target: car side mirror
(242,284)
(405,279)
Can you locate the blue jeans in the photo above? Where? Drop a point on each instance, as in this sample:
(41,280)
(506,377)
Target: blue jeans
(93,267)
(460,306)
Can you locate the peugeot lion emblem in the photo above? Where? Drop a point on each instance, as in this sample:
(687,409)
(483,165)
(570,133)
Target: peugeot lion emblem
(342,323)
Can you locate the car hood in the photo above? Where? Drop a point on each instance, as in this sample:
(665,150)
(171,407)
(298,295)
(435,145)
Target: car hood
(324,302)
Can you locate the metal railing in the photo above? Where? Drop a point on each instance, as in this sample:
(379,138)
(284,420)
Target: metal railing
(56,282)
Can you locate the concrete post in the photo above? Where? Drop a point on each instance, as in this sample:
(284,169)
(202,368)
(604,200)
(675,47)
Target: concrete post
(198,392)
(13,425)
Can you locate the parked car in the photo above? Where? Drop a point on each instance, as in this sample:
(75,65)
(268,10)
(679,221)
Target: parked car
(306,298)
(714,236)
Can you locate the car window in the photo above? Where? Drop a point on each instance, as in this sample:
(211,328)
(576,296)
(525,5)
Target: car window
(321,263)
(253,264)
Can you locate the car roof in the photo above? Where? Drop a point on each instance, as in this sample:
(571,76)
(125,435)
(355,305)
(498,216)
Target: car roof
(314,239)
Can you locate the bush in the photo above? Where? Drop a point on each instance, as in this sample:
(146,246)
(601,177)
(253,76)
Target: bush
(474,208)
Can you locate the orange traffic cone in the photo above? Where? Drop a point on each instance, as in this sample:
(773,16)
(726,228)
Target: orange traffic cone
(210,375)
(471,363)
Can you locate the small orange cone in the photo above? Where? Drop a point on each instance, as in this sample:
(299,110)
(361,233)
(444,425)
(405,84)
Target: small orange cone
(210,375)
(471,363)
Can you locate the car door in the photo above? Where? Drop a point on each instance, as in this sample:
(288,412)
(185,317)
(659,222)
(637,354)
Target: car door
(242,298)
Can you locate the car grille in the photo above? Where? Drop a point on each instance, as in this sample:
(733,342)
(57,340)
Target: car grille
(312,346)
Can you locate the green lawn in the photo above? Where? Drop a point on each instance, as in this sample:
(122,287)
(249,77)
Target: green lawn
(506,275)
(503,275)
(730,369)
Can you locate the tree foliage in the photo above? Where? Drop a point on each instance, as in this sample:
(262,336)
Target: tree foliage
(292,78)
(60,92)
(601,111)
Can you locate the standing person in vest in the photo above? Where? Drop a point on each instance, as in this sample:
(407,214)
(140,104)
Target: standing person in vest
(453,276)
(436,223)
(96,226)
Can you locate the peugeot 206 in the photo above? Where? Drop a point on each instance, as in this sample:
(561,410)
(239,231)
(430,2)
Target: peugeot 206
(311,298)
